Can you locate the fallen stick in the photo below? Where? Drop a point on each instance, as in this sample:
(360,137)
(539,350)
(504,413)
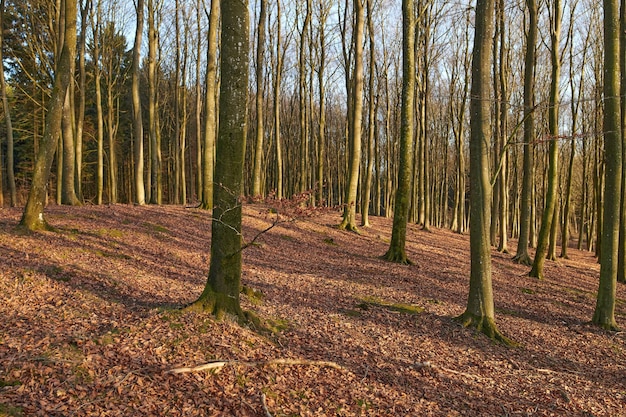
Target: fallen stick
(267,411)
(221,364)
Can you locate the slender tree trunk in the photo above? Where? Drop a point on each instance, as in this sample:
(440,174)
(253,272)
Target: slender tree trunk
(140,192)
(349,211)
(260,90)
(553,128)
(277,103)
(68,191)
(155,151)
(397,251)
(10,164)
(480,311)
(210,108)
(604,314)
(621,262)
(526,201)
(371,121)
(33,216)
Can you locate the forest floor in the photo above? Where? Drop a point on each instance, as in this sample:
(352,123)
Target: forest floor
(91,323)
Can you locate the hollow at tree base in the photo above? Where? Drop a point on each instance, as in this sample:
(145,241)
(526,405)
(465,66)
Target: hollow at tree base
(486,326)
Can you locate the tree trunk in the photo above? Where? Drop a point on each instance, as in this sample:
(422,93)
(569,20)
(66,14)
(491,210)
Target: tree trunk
(553,121)
(480,311)
(349,211)
(604,314)
(397,251)
(260,74)
(210,109)
(526,201)
(371,121)
(140,192)
(221,293)
(10,164)
(33,217)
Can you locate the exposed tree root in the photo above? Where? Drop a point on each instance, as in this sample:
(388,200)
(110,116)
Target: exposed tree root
(218,365)
(349,227)
(523,259)
(397,256)
(486,326)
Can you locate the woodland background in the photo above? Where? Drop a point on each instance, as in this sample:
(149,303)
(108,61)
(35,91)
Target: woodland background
(302,72)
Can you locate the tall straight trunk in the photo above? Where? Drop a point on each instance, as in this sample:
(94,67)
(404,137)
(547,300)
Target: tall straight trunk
(397,251)
(10,164)
(260,90)
(503,190)
(371,121)
(349,211)
(480,310)
(99,113)
(604,314)
(321,156)
(155,151)
(302,85)
(574,107)
(277,103)
(140,192)
(210,108)
(621,258)
(33,216)
(553,157)
(82,84)
(526,201)
(198,112)
(221,293)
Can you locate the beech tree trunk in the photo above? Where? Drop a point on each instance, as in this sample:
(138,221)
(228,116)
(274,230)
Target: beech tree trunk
(140,192)
(480,311)
(33,216)
(604,314)
(349,211)
(553,157)
(397,251)
(526,201)
(221,293)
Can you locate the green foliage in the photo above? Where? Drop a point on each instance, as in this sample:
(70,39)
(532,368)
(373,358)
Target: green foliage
(527,291)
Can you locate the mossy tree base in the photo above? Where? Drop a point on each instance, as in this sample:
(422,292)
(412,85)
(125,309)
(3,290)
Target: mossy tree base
(348,226)
(606,322)
(219,305)
(397,256)
(523,259)
(486,326)
(536,272)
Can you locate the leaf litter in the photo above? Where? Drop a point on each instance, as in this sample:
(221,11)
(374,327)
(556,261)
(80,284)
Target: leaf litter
(92,324)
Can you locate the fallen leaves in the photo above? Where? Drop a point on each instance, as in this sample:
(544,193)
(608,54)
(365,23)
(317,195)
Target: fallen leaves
(91,324)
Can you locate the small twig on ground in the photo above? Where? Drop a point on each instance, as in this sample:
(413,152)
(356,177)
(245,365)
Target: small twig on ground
(264,404)
(221,364)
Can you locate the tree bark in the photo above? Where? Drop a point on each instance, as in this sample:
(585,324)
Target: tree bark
(604,314)
(553,157)
(33,216)
(140,192)
(397,251)
(349,211)
(221,293)
(526,202)
(480,311)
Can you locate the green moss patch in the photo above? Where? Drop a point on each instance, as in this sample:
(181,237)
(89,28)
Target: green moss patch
(368,301)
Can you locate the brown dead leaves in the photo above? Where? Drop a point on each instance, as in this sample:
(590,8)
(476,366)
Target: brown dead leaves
(91,324)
